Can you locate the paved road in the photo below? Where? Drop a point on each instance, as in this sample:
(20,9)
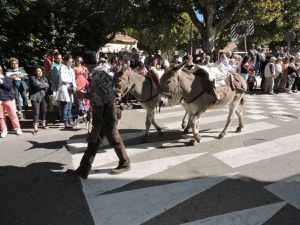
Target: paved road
(34,188)
(249,178)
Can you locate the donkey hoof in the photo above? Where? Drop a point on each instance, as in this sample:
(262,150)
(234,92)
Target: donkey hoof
(145,139)
(186,130)
(191,142)
(160,133)
(198,138)
(221,135)
(238,130)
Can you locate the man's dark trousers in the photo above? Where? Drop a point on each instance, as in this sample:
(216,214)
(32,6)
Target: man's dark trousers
(104,125)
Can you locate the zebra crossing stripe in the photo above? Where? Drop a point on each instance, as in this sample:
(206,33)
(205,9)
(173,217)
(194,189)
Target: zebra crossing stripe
(138,206)
(100,183)
(164,109)
(253,216)
(204,120)
(78,146)
(210,119)
(288,190)
(248,129)
(181,113)
(109,156)
(255,153)
(276,108)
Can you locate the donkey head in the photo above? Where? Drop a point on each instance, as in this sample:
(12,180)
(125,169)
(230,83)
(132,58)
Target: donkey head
(169,82)
(122,84)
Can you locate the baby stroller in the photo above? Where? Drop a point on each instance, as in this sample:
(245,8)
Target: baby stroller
(82,109)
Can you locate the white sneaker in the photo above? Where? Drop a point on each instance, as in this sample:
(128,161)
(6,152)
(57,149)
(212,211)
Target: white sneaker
(3,134)
(19,131)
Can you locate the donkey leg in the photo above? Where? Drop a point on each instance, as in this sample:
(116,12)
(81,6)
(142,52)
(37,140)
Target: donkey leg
(188,126)
(232,109)
(239,113)
(183,123)
(157,127)
(196,129)
(148,124)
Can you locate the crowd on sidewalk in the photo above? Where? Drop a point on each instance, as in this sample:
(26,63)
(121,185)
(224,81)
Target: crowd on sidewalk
(54,85)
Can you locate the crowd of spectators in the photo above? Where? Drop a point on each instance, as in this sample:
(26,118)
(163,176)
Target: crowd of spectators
(52,86)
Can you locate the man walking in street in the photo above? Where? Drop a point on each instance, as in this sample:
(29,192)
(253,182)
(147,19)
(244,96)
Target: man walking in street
(104,124)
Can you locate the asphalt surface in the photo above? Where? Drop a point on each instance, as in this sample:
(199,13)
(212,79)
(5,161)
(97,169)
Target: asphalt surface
(252,177)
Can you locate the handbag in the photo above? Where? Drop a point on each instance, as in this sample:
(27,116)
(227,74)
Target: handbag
(291,72)
(292,75)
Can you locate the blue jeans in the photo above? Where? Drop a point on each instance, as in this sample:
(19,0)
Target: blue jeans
(18,91)
(66,108)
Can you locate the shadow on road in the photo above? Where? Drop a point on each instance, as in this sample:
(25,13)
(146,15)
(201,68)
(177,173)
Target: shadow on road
(40,194)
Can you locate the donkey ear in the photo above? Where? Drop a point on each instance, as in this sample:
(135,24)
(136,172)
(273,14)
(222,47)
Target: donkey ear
(180,66)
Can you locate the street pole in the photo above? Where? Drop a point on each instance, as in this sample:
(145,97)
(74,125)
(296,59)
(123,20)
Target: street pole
(245,42)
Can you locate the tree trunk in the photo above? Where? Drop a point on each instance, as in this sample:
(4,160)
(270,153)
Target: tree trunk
(208,40)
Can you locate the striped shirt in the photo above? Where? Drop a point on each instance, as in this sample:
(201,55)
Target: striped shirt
(104,82)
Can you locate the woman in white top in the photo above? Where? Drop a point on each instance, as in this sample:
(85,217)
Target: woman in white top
(278,74)
(66,87)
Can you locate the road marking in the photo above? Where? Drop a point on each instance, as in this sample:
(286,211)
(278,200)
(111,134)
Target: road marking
(288,190)
(256,117)
(80,144)
(255,111)
(253,106)
(292,102)
(102,182)
(295,105)
(169,114)
(248,129)
(110,156)
(282,112)
(255,153)
(273,104)
(162,109)
(181,113)
(253,216)
(138,206)
(202,120)
(276,108)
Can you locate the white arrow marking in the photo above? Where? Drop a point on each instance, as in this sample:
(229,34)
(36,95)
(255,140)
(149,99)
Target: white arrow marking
(254,216)
(138,206)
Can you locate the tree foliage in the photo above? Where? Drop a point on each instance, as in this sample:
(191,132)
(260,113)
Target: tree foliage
(29,28)
(217,14)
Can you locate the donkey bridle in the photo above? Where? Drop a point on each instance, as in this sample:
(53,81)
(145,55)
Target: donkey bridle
(142,101)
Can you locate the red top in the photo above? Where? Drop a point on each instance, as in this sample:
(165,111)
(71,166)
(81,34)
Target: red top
(81,82)
(47,66)
(81,70)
